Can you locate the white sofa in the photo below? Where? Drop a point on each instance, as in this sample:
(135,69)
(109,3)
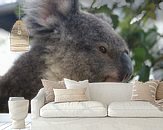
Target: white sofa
(122,114)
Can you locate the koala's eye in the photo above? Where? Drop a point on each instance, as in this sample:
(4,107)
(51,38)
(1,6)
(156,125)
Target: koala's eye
(102,49)
(126,52)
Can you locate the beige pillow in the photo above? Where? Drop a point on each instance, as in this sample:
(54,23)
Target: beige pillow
(72,84)
(70,95)
(49,86)
(144,91)
(159,93)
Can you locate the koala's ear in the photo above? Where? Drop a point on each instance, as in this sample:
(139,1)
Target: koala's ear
(41,14)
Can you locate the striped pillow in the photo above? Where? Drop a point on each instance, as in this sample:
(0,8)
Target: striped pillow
(144,91)
(70,95)
(49,86)
(159,94)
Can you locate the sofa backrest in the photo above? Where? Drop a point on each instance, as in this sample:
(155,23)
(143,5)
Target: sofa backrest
(108,92)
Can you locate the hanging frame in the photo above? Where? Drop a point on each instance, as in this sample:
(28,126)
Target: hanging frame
(19,37)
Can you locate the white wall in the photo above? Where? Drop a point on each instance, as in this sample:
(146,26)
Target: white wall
(7,57)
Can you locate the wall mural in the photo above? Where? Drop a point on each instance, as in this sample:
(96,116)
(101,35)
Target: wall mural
(66,43)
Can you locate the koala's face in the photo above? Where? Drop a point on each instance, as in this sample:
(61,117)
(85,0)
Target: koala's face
(103,52)
(88,48)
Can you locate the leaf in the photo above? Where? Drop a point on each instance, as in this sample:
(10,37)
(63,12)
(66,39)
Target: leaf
(103,9)
(144,73)
(151,39)
(139,53)
(115,20)
(130,1)
(19,10)
(150,6)
(139,56)
(150,9)
(138,17)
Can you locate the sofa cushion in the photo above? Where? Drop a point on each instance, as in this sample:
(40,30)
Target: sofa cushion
(74,109)
(70,95)
(72,84)
(133,109)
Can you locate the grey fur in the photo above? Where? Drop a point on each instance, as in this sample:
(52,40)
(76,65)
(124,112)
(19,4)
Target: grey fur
(65,44)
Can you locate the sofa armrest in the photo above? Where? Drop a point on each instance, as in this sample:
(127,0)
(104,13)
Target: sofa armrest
(36,104)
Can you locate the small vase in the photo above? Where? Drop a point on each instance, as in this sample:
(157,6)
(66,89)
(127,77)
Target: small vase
(18,110)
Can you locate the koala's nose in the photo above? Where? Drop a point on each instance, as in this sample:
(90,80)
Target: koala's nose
(126,67)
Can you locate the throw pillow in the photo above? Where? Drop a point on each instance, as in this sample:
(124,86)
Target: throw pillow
(159,93)
(70,95)
(144,91)
(71,84)
(49,86)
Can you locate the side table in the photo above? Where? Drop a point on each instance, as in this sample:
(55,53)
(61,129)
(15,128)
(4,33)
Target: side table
(18,110)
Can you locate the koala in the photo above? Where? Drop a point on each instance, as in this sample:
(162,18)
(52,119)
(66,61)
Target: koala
(65,43)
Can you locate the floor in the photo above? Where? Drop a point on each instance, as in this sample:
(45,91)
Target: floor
(5,122)
(8,126)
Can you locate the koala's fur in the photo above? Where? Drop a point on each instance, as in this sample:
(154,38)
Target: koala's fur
(65,43)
